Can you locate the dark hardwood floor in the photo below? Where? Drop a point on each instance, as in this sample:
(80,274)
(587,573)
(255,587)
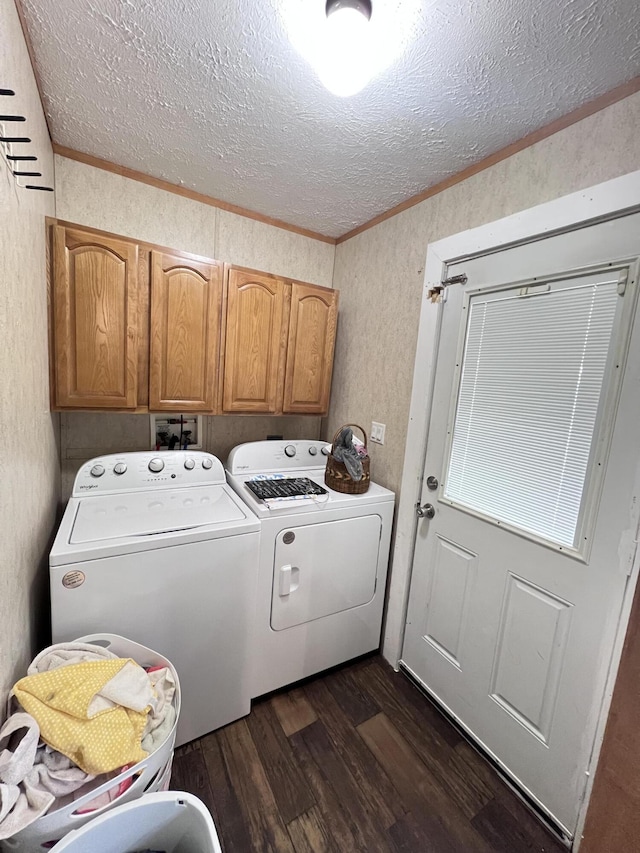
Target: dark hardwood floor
(357,760)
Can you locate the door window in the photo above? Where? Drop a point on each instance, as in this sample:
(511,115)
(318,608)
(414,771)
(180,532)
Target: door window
(532,375)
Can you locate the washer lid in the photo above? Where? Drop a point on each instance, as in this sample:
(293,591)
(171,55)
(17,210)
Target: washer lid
(104,517)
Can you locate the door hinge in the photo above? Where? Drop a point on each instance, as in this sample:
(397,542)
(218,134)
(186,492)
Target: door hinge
(623,278)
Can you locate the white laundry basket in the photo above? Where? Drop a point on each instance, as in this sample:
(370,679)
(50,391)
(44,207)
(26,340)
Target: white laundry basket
(174,822)
(149,775)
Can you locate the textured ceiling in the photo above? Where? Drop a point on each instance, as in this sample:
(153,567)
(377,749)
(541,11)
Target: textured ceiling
(212,95)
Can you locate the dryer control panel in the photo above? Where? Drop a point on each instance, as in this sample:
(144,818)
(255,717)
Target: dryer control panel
(256,457)
(126,472)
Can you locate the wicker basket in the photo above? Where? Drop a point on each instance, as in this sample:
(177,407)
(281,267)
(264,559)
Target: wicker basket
(336,475)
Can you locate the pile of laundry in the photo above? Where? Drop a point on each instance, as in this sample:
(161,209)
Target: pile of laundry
(80,717)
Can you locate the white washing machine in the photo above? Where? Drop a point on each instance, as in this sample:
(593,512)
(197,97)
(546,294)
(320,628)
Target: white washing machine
(323,562)
(159,549)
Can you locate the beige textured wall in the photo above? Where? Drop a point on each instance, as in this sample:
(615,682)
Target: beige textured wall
(250,243)
(100,199)
(87,434)
(89,196)
(380,272)
(29,462)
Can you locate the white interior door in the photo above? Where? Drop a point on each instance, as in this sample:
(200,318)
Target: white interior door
(519,576)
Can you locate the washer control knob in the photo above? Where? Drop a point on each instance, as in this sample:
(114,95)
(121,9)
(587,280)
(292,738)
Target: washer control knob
(290,450)
(326,450)
(206,463)
(119,468)
(156,465)
(313,451)
(97,471)
(189,464)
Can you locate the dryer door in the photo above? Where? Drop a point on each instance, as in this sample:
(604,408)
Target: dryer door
(324,568)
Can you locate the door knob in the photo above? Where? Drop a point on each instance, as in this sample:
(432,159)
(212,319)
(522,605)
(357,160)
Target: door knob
(425,511)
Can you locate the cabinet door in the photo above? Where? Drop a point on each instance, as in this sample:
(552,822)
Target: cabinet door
(312,335)
(255,342)
(95,293)
(186,299)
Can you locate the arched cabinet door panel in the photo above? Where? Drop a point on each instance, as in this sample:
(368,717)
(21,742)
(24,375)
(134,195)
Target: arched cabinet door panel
(186,301)
(255,343)
(95,334)
(312,335)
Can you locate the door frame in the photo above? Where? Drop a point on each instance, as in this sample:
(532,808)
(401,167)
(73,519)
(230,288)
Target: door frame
(603,201)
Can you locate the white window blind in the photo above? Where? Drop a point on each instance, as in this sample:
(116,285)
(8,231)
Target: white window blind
(531,382)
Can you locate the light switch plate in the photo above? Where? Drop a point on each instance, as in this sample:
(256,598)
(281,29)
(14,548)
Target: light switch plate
(377,432)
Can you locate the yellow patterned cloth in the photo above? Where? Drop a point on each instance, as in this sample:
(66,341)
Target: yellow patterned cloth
(77,711)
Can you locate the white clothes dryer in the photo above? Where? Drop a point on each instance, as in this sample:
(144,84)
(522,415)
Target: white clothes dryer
(159,549)
(323,562)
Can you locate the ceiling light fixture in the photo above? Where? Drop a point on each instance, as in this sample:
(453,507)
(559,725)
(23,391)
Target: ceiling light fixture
(347,66)
(347,42)
(362,7)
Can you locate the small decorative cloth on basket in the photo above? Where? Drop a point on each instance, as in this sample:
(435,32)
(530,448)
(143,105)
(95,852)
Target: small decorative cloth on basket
(338,475)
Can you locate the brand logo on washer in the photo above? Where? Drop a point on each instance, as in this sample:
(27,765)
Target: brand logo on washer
(89,486)
(71,580)
(288,537)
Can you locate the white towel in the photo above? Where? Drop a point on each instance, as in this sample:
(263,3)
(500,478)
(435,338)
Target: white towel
(161,717)
(20,803)
(63,654)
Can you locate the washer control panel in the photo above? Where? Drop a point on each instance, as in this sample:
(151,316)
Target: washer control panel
(138,471)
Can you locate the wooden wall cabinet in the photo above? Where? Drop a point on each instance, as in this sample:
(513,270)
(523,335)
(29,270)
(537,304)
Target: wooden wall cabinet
(186,305)
(95,323)
(141,328)
(255,342)
(134,328)
(312,335)
(280,339)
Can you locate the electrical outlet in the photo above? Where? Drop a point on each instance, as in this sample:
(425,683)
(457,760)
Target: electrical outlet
(377,432)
